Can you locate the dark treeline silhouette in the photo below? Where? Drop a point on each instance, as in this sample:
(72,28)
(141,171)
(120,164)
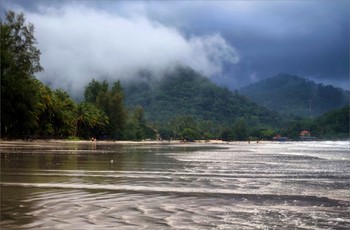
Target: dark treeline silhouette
(31,109)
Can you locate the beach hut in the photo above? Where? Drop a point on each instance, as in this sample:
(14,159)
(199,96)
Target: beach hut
(304,133)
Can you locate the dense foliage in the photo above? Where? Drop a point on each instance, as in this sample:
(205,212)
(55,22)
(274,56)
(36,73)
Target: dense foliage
(110,101)
(185,104)
(19,63)
(294,95)
(334,124)
(331,125)
(31,109)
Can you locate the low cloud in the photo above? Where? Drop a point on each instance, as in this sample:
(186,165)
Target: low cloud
(80,43)
(84,39)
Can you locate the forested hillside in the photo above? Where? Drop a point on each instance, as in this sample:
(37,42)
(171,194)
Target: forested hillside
(291,94)
(334,124)
(183,92)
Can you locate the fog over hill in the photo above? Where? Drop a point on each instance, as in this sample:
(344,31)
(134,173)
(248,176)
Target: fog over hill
(233,43)
(80,43)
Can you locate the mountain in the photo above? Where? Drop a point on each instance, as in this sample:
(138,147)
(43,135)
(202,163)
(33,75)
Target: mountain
(184,92)
(289,94)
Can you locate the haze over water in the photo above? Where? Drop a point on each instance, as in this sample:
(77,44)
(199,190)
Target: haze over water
(70,185)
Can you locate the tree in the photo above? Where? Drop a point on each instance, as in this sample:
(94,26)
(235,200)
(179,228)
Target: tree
(20,60)
(227,134)
(110,101)
(189,134)
(89,120)
(94,89)
(46,110)
(117,113)
(64,114)
(136,127)
(139,115)
(185,125)
(19,56)
(267,134)
(240,129)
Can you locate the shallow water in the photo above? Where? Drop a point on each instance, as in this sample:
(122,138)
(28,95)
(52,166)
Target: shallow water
(50,185)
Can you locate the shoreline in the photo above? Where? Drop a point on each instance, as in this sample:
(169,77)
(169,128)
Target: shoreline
(153,142)
(214,142)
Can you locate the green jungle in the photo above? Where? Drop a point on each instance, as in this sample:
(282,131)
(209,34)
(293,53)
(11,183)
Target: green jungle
(182,104)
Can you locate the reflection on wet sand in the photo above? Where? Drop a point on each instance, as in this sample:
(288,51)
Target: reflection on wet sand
(100,186)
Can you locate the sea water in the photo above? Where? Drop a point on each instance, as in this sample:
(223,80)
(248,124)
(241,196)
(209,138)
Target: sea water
(83,185)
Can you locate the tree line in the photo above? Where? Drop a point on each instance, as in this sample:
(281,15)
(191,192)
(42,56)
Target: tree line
(31,109)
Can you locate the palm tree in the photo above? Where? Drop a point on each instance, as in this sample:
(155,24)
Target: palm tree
(89,117)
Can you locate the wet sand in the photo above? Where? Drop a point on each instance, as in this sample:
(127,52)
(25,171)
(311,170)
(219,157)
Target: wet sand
(103,185)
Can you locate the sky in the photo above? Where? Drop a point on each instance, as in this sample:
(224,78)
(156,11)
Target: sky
(232,42)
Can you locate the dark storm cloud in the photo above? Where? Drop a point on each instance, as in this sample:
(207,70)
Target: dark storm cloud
(307,38)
